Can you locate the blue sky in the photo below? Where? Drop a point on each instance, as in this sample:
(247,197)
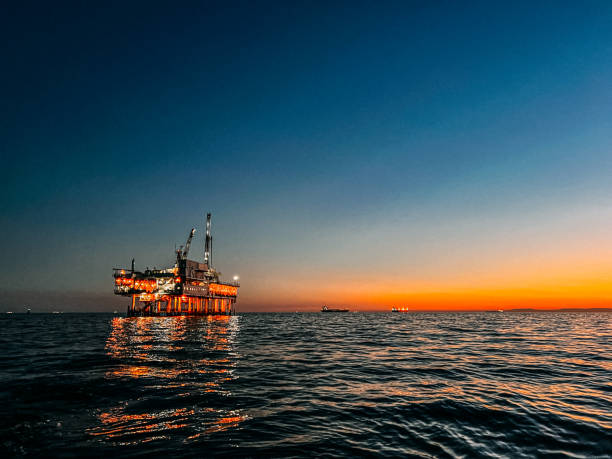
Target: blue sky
(324,137)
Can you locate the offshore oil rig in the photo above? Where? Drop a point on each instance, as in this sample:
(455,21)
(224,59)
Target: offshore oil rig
(188,288)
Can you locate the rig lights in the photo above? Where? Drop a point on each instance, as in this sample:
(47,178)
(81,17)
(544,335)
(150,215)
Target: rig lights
(148,285)
(224,290)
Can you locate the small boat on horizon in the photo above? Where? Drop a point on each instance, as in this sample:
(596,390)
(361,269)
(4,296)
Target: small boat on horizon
(394,309)
(326,309)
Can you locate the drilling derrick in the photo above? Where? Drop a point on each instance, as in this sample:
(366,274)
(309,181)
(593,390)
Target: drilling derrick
(208,243)
(189,288)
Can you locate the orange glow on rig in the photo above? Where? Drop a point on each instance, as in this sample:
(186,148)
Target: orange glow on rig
(189,287)
(226,290)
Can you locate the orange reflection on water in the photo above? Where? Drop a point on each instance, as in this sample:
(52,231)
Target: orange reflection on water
(149,372)
(116,424)
(221,424)
(555,398)
(137,425)
(181,361)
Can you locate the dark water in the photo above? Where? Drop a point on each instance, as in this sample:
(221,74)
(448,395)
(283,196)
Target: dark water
(429,385)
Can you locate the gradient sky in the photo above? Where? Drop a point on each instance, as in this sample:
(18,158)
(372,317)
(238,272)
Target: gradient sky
(432,155)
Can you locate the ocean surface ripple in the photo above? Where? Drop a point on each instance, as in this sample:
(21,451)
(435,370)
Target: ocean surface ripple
(487,384)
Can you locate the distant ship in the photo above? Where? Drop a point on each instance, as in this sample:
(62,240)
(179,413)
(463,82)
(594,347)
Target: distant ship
(394,309)
(326,309)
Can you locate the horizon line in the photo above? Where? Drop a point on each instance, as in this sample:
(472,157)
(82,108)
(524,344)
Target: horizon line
(353,311)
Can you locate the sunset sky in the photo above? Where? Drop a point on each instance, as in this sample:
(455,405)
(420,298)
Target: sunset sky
(431,155)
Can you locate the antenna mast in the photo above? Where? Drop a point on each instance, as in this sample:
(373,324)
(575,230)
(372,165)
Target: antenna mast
(208,243)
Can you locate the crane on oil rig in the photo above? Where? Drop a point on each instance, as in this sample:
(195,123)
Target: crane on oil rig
(188,243)
(181,253)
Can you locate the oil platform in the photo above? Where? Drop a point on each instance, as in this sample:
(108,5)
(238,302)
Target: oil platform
(188,288)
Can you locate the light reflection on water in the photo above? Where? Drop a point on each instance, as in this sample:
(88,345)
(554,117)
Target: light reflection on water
(431,385)
(161,359)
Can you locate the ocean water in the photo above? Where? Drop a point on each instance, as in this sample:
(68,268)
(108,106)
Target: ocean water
(513,384)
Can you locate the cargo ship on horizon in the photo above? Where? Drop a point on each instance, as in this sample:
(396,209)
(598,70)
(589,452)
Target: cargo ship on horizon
(188,288)
(326,309)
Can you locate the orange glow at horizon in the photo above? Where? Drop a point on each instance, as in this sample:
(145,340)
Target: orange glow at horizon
(543,292)
(537,258)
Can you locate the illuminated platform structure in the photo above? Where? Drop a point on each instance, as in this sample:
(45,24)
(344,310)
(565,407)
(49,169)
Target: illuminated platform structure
(188,288)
